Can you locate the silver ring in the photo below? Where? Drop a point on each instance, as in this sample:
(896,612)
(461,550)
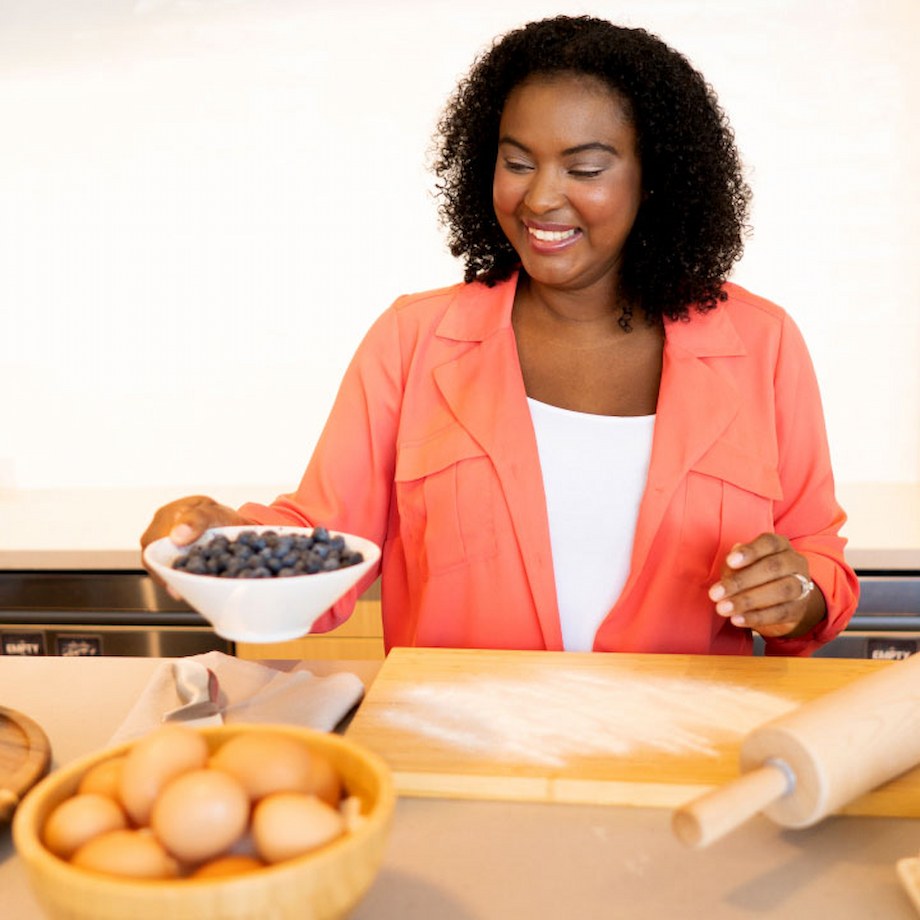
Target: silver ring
(807,585)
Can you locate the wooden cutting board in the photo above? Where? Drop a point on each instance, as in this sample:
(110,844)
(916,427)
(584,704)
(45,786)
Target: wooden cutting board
(621,729)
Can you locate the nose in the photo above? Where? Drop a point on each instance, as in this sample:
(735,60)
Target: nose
(544,191)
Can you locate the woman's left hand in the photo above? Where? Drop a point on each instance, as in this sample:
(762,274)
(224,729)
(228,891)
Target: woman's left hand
(765,586)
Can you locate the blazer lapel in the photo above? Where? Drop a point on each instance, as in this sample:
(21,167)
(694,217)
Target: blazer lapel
(696,403)
(485,391)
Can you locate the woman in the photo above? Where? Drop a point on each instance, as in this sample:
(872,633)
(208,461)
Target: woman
(594,442)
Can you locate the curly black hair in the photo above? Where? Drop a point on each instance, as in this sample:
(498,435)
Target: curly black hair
(690,227)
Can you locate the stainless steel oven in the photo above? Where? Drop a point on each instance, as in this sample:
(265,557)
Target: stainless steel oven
(124,612)
(112,612)
(886,623)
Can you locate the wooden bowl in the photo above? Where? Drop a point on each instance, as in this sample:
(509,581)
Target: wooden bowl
(321,886)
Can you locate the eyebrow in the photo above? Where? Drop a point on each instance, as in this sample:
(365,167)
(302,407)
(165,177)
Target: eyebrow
(569,151)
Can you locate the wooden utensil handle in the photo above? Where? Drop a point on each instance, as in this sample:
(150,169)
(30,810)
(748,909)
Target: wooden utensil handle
(712,816)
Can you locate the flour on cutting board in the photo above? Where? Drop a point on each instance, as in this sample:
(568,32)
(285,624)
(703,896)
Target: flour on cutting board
(549,719)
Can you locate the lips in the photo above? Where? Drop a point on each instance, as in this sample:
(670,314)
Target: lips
(551,237)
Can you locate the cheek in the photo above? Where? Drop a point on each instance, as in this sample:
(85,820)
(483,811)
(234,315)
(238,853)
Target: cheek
(504,195)
(614,209)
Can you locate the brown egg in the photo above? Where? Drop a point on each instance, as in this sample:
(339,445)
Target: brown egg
(133,854)
(326,783)
(80,818)
(153,761)
(266,762)
(200,814)
(350,810)
(103,778)
(227,865)
(289,824)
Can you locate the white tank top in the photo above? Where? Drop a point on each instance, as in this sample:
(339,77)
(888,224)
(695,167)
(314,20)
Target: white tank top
(594,473)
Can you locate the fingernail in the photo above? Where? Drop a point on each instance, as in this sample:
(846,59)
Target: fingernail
(716,592)
(724,607)
(738,621)
(181,534)
(735,560)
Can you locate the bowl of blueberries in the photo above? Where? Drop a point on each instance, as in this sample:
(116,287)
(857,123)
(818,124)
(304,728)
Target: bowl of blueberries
(263,583)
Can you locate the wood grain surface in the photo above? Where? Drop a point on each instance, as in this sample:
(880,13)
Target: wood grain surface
(25,754)
(623,729)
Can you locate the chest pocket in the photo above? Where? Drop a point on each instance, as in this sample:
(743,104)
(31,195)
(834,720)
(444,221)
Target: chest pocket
(445,492)
(729,499)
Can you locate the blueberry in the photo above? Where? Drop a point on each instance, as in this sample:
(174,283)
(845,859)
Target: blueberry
(268,555)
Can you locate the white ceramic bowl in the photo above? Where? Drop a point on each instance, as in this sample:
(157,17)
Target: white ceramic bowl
(260,609)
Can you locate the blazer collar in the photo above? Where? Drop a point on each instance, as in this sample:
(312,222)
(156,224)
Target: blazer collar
(478,312)
(705,335)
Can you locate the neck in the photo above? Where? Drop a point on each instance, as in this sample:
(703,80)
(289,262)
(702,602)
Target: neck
(583,311)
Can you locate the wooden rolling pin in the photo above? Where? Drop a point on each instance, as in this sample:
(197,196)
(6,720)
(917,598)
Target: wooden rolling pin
(799,768)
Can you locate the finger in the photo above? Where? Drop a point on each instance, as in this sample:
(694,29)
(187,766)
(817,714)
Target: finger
(190,522)
(165,517)
(778,631)
(762,572)
(189,518)
(765,604)
(763,546)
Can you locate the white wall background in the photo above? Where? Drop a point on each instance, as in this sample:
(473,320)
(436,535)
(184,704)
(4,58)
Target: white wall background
(204,204)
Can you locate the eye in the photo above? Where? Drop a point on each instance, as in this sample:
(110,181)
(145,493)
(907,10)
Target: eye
(586,172)
(516,166)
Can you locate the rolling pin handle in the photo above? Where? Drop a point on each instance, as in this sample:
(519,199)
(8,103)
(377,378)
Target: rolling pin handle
(712,816)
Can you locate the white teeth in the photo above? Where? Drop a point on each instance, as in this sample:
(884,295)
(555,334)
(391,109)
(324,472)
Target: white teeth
(551,236)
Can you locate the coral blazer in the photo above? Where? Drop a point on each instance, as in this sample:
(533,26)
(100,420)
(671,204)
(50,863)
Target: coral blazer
(430,451)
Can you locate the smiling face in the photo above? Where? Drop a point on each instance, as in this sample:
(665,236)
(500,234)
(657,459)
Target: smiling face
(568,182)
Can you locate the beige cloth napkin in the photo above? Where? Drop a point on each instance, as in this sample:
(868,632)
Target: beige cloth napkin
(248,692)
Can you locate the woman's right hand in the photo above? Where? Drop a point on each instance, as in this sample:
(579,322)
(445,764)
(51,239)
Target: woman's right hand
(186,519)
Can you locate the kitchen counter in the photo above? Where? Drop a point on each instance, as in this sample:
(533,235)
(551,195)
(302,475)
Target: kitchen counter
(100,528)
(476,860)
